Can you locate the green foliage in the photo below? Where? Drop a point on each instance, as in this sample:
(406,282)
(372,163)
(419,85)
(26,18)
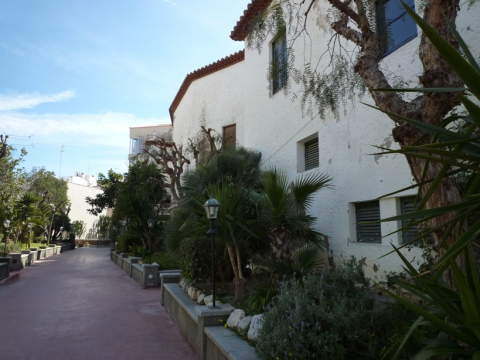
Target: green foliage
(79,228)
(140,197)
(101,226)
(259,297)
(109,185)
(326,89)
(164,261)
(453,311)
(12,179)
(195,260)
(45,185)
(228,176)
(11,248)
(321,317)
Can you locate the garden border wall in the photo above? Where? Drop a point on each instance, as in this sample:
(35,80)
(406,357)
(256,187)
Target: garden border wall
(19,261)
(203,327)
(146,275)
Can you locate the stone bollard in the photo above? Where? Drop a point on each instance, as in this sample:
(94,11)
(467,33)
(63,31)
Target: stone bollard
(209,317)
(34,250)
(168,277)
(28,260)
(150,276)
(5,270)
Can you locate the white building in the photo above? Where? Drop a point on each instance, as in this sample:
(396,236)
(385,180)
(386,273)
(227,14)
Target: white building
(79,187)
(235,96)
(140,134)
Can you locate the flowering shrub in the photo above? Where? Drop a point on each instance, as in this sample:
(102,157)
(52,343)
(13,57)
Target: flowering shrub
(321,317)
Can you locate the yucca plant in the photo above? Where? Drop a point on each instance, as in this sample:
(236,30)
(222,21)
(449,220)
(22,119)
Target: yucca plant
(452,307)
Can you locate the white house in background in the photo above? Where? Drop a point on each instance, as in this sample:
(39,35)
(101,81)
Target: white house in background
(235,96)
(79,187)
(140,134)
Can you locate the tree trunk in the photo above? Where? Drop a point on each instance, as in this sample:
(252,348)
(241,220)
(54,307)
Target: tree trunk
(430,108)
(240,287)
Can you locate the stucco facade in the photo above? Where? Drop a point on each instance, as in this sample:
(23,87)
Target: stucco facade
(140,134)
(78,212)
(278,127)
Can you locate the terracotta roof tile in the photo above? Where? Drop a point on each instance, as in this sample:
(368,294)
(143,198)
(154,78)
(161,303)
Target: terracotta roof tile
(149,126)
(204,71)
(240,31)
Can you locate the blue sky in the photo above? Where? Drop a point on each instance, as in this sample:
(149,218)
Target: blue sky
(79,73)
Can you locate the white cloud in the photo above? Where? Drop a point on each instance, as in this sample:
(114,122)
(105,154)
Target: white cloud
(108,129)
(29,100)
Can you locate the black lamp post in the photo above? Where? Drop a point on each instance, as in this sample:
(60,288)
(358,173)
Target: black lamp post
(150,223)
(211,207)
(6,225)
(29,234)
(114,233)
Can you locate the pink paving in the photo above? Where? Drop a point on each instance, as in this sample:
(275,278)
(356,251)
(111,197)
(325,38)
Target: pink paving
(80,305)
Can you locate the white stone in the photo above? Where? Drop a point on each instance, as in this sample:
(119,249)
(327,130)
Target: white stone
(235,317)
(255,326)
(192,292)
(208,300)
(200,300)
(181,283)
(244,324)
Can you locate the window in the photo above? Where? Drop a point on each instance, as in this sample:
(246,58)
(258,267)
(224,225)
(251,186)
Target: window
(367,212)
(230,135)
(407,204)
(136,145)
(311,154)
(279,62)
(395,27)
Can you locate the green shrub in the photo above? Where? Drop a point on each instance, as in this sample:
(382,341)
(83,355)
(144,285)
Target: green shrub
(11,248)
(259,297)
(195,261)
(321,317)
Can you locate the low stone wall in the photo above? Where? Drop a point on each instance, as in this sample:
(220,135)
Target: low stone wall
(145,275)
(19,261)
(5,267)
(93,242)
(203,327)
(223,344)
(49,251)
(28,257)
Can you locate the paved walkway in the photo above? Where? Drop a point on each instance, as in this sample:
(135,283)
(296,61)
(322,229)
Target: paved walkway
(80,305)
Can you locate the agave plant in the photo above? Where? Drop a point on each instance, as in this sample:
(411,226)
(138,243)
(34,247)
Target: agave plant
(453,310)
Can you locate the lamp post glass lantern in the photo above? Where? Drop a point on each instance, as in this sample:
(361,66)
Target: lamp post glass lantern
(211,207)
(6,225)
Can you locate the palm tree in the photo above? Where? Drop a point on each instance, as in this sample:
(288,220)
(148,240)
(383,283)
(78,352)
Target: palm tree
(283,207)
(24,209)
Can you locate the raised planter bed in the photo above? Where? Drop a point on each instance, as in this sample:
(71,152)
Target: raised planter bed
(203,327)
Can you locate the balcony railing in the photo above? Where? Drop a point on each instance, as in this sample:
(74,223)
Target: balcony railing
(166,135)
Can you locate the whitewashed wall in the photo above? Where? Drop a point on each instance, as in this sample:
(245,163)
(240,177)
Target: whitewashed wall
(77,194)
(215,101)
(276,126)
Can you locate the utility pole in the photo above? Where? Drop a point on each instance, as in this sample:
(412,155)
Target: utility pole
(62,149)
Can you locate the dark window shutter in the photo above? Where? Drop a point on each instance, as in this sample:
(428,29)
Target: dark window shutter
(407,205)
(366,212)
(230,134)
(311,154)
